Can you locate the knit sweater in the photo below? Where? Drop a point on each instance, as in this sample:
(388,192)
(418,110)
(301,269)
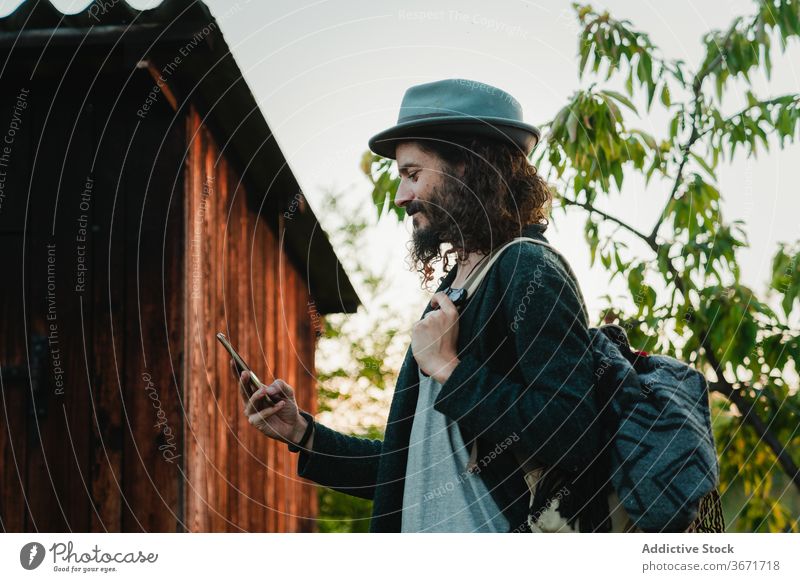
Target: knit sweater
(523,387)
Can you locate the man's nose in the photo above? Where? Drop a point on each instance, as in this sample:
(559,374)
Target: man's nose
(403,196)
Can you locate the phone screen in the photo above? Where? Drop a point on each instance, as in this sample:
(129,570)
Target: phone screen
(242,366)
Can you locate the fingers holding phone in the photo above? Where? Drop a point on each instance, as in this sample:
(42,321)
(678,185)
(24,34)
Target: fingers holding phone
(278,418)
(272,408)
(247,383)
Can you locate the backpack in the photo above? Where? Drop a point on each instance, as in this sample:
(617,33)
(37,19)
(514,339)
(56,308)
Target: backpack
(659,470)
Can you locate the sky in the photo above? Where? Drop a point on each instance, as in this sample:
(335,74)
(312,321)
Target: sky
(328,75)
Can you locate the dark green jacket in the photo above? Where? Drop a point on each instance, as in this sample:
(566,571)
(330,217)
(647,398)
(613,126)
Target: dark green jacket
(525,378)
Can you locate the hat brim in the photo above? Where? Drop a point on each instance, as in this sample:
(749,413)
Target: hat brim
(521,134)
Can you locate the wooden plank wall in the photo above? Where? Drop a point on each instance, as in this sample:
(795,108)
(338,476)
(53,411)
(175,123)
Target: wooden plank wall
(94,460)
(14,417)
(239,281)
(153,412)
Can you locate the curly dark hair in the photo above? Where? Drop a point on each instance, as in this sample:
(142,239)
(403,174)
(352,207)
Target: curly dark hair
(499,194)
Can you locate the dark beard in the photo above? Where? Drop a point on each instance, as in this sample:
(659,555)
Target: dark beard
(425,244)
(426,241)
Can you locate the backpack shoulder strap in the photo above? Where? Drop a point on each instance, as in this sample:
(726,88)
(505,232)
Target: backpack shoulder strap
(476,277)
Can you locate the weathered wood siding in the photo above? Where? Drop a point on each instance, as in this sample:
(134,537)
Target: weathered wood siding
(148,432)
(241,283)
(89,181)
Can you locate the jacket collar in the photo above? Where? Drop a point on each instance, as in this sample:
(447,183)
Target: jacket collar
(534,230)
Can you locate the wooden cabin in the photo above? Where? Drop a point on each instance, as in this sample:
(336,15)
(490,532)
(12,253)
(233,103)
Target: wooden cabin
(144,206)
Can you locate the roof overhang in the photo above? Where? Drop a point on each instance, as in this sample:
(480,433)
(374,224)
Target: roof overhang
(210,79)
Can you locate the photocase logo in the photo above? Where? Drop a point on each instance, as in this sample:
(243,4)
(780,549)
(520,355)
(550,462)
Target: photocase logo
(31,555)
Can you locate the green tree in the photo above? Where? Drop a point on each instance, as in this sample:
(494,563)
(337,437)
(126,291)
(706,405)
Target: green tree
(688,301)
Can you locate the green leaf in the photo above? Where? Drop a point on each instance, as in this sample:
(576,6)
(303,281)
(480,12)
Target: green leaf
(572,127)
(674,125)
(647,138)
(703,164)
(605,258)
(592,238)
(621,98)
(366,162)
(616,170)
(665,98)
(584,49)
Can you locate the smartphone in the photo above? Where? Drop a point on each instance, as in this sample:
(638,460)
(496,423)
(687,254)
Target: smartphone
(242,367)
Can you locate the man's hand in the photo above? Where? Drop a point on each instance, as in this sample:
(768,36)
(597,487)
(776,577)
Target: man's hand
(434,339)
(280,421)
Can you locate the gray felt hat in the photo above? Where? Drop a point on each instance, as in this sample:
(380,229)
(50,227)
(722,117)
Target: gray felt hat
(457,107)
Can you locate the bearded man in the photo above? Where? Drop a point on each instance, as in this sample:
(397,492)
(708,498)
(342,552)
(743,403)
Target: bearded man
(505,377)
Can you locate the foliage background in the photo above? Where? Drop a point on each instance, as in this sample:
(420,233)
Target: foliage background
(681,272)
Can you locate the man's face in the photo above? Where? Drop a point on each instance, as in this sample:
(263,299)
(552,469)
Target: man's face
(424,180)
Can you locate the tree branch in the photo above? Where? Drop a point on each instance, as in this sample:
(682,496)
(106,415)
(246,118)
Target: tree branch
(697,86)
(722,386)
(590,208)
(750,416)
(743,112)
(703,72)
(686,149)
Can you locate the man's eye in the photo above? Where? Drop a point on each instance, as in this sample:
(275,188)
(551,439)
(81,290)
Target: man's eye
(413,177)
